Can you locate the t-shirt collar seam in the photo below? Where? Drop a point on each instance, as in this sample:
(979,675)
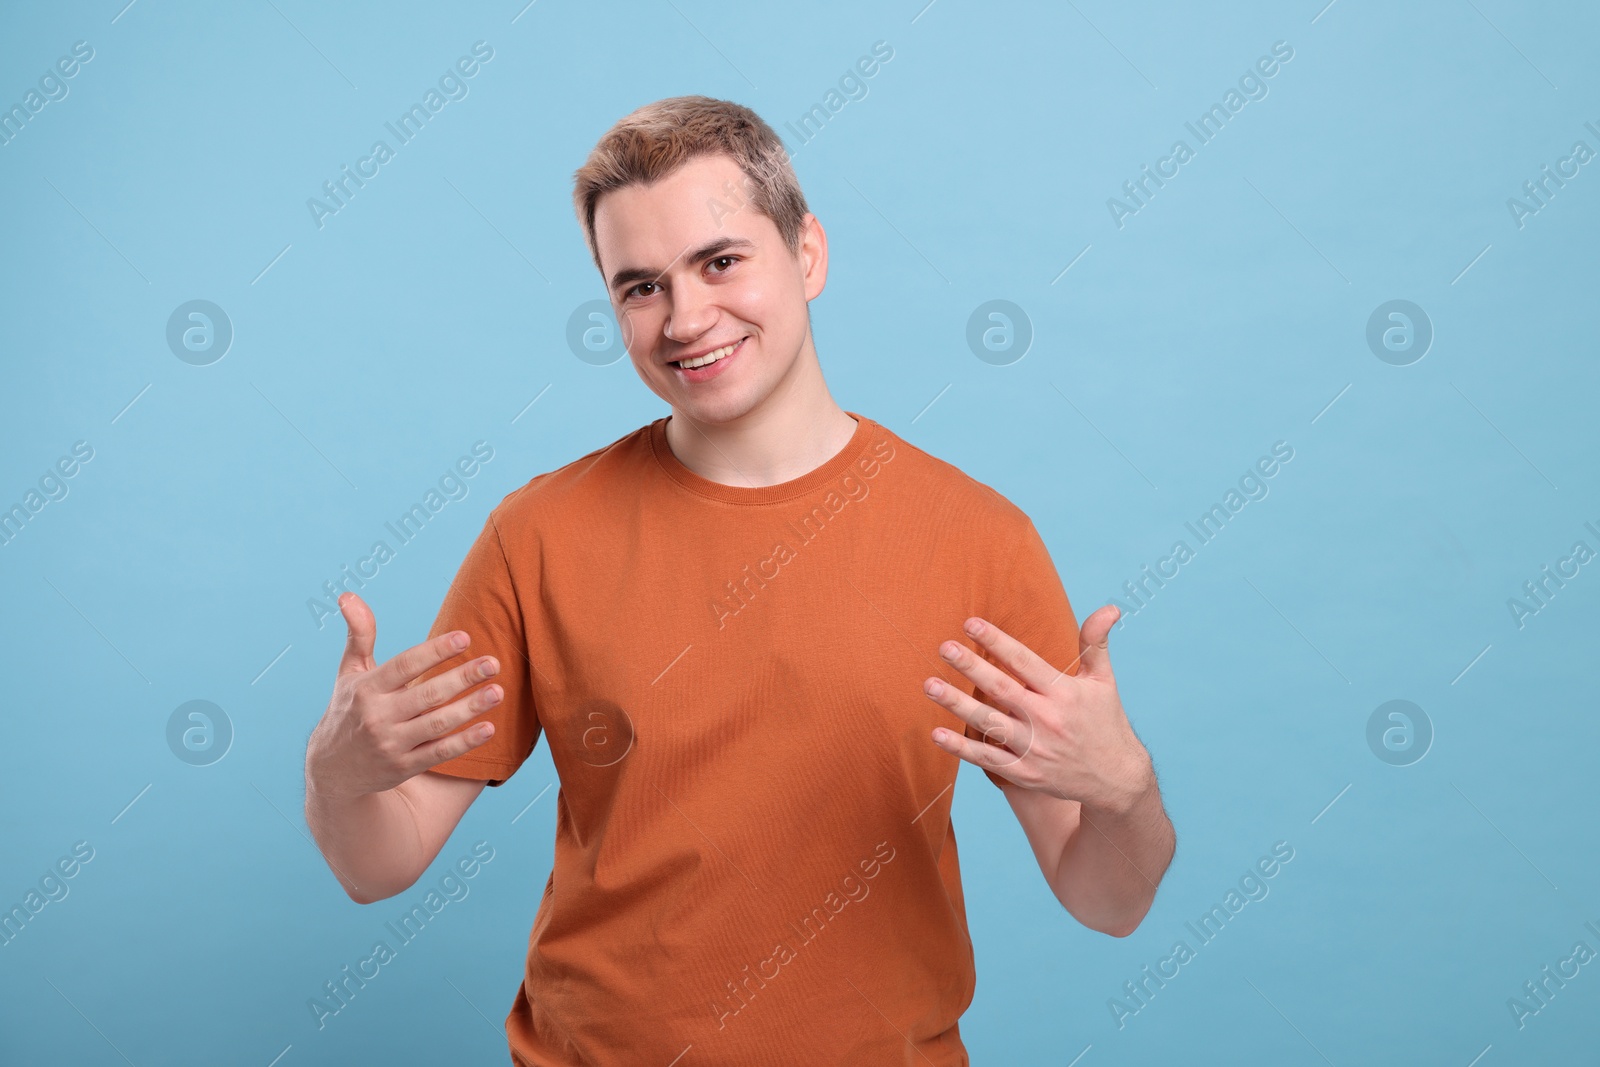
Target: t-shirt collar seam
(839,462)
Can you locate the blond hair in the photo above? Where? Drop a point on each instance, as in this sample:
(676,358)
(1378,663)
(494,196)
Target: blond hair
(651,143)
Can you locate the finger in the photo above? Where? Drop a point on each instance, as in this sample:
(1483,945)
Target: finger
(1013,655)
(1011,736)
(361,634)
(436,752)
(996,726)
(443,687)
(1094,639)
(400,671)
(999,686)
(979,754)
(436,724)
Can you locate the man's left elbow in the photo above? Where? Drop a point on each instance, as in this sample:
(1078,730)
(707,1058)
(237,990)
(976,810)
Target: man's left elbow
(1125,926)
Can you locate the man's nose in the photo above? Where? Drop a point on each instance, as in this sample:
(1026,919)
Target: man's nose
(692,313)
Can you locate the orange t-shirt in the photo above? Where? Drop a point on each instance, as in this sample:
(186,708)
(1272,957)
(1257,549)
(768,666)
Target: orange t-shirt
(754,860)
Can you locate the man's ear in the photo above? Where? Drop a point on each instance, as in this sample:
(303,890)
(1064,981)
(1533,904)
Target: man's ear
(813,255)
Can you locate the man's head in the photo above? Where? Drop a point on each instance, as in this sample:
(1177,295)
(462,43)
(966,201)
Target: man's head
(702,237)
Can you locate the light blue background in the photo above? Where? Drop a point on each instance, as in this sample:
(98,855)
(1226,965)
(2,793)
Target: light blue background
(1228,314)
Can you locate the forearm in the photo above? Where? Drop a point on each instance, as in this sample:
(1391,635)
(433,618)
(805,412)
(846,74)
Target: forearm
(370,840)
(1113,861)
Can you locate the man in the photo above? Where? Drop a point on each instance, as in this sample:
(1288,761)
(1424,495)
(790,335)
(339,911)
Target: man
(738,629)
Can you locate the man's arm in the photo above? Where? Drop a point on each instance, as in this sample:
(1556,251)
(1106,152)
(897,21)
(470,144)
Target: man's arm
(1102,865)
(378,844)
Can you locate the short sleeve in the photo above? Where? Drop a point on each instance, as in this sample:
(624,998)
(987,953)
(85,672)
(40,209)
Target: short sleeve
(1028,602)
(484,602)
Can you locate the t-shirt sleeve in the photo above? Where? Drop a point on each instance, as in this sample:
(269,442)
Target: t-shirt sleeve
(484,602)
(1028,602)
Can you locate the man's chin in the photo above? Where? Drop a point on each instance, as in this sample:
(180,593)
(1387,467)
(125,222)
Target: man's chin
(716,410)
(701,413)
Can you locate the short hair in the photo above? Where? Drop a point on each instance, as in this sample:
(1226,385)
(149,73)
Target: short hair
(654,141)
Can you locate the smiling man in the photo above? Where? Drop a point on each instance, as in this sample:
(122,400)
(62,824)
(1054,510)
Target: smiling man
(739,629)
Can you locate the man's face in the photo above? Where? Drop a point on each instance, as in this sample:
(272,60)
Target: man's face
(692,268)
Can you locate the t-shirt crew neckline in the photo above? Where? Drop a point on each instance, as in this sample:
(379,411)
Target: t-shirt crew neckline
(760,494)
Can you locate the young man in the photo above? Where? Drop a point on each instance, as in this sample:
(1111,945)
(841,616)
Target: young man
(740,629)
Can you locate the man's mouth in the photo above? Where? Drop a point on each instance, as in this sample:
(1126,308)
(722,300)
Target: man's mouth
(709,358)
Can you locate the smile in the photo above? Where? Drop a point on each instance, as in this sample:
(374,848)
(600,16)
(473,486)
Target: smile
(712,365)
(709,358)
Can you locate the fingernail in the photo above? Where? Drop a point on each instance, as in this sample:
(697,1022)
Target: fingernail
(458,641)
(974,627)
(933,687)
(949,652)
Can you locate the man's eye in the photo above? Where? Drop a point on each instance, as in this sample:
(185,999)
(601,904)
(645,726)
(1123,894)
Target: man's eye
(635,290)
(729,260)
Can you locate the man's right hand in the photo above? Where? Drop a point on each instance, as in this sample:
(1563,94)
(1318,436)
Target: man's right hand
(380,731)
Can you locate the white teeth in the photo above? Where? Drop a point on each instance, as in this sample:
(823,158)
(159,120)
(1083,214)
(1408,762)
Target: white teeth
(708,358)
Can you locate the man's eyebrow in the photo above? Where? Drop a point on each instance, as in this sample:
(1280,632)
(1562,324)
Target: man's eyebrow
(630,275)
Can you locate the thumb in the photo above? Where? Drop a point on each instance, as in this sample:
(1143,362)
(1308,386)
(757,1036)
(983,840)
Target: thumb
(363,634)
(1094,656)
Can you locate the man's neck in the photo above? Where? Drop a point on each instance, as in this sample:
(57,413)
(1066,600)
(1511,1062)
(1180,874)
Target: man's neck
(797,430)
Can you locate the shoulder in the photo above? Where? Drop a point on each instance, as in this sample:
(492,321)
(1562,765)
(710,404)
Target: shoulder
(591,480)
(942,485)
